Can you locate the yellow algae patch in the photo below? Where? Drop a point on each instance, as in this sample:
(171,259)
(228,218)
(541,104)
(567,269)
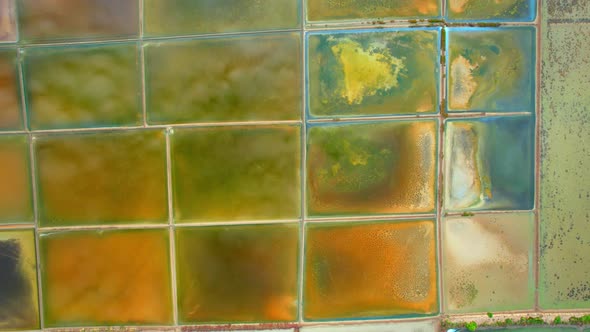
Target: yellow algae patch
(426,7)
(366,71)
(463,84)
(458,6)
(356,156)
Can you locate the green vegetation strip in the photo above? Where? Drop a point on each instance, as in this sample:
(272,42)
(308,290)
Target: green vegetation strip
(523,321)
